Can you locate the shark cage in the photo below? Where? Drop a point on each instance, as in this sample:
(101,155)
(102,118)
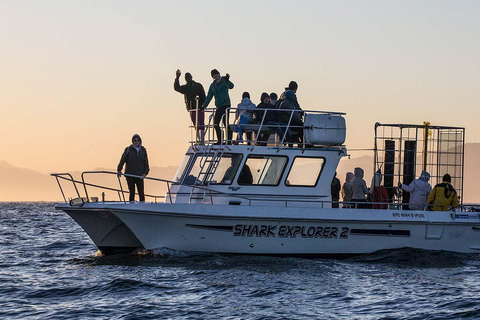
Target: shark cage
(402,151)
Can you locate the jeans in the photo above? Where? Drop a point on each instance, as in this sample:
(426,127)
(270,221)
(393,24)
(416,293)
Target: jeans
(131,182)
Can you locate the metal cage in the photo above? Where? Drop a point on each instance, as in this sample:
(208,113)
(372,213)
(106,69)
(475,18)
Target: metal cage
(402,151)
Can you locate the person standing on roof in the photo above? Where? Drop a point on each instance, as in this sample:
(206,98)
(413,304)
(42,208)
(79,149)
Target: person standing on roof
(136,160)
(443,195)
(194,98)
(419,190)
(219,89)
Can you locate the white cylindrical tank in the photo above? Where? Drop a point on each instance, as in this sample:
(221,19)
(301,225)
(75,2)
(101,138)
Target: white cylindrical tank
(325,129)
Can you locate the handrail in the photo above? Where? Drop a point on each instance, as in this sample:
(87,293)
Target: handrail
(260,124)
(59,175)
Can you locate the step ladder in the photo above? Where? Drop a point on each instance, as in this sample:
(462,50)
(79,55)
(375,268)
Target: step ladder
(209,160)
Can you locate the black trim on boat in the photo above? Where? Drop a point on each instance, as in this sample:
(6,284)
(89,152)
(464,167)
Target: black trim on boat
(380,232)
(216,228)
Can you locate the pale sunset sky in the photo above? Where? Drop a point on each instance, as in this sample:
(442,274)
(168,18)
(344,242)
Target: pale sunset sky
(79,78)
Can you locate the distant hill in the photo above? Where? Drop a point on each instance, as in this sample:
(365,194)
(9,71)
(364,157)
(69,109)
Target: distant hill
(20,184)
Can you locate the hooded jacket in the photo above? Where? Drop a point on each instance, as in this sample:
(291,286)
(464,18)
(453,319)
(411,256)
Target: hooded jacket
(443,196)
(419,190)
(136,161)
(347,188)
(243,108)
(290,103)
(220,91)
(359,186)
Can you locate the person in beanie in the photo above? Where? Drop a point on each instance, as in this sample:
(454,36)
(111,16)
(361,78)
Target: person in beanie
(194,98)
(443,195)
(219,89)
(419,190)
(136,160)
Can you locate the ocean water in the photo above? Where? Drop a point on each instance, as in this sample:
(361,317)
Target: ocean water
(49,269)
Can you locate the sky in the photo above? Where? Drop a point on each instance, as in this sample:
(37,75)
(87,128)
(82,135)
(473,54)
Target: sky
(79,78)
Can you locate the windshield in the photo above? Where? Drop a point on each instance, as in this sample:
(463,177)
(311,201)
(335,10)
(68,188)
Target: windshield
(179,175)
(219,171)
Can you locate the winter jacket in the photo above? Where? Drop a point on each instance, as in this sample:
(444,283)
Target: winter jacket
(243,108)
(335,189)
(220,91)
(419,190)
(271,115)
(359,186)
(191,91)
(137,162)
(290,103)
(443,196)
(347,191)
(380,195)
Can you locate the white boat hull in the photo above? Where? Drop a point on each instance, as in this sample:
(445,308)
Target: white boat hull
(313,232)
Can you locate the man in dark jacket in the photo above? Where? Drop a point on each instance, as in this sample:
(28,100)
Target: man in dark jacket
(219,89)
(194,98)
(135,156)
(335,190)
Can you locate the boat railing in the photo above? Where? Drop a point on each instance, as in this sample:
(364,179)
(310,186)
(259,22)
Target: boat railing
(120,190)
(230,122)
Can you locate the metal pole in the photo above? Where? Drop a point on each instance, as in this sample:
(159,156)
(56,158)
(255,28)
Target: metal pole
(425,145)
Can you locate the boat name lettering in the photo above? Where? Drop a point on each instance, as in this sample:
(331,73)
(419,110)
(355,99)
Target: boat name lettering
(407,215)
(253,230)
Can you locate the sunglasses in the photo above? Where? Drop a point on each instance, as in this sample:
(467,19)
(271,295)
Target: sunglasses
(136,139)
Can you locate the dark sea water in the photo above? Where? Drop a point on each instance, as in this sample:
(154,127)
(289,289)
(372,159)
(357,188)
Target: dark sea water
(49,269)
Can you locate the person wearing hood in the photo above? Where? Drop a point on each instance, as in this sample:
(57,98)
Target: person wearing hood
(294,120)
(443,195)
(219,89)
(359,188)
(378,193)
(419,190)
(347,189)
(136,160)
(194,96)
(245,116)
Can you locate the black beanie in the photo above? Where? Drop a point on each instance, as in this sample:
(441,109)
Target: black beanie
(447,178)
(246,95)
(214,72)
(292,86)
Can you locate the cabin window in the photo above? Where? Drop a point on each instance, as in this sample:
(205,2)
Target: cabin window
(227,169)
(262,170)
(305,172)
(181,169)
(221,172)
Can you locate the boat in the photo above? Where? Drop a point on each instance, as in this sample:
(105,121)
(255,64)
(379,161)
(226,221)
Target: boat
(273,197)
